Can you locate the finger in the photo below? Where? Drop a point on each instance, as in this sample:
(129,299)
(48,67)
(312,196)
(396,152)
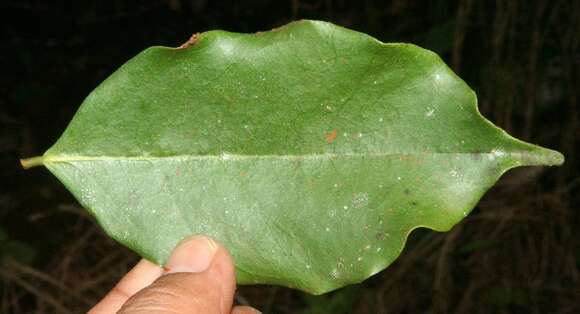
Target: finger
(200,279)
(245,310)
(141,276)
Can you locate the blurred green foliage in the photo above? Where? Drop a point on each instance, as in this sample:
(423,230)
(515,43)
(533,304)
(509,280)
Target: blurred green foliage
(19,251)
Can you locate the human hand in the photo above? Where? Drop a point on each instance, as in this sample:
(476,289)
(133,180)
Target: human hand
(198,278)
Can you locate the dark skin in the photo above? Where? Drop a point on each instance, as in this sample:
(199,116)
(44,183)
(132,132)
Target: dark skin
(199,277)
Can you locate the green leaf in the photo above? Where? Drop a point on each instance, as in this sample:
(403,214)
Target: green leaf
(14,249)
(17,250)
(310,151)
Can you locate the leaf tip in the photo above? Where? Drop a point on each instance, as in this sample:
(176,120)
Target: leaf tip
(555,158)
(542,157)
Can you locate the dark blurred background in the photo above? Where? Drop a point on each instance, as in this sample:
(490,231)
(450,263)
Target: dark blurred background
(518,252)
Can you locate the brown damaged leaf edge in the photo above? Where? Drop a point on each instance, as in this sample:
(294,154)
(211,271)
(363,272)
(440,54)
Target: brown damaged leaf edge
(295,203)
(191,41)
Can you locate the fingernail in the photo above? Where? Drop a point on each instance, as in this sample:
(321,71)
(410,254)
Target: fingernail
(192,255)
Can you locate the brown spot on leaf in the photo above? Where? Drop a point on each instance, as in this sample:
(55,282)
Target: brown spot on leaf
(331,136)
(190,42)
(411,159)
(243,173)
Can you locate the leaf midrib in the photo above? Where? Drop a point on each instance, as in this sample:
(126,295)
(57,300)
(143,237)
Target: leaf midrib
(228,156)
(522,158)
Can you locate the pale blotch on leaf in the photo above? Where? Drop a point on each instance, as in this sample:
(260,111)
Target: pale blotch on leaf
(334,273)
(360,200)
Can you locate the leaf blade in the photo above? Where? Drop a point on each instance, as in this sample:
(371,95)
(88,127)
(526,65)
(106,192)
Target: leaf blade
(311,152)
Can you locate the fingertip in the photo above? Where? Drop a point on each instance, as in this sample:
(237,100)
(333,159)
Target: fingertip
(242,309)
(192,255)
(199,276)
